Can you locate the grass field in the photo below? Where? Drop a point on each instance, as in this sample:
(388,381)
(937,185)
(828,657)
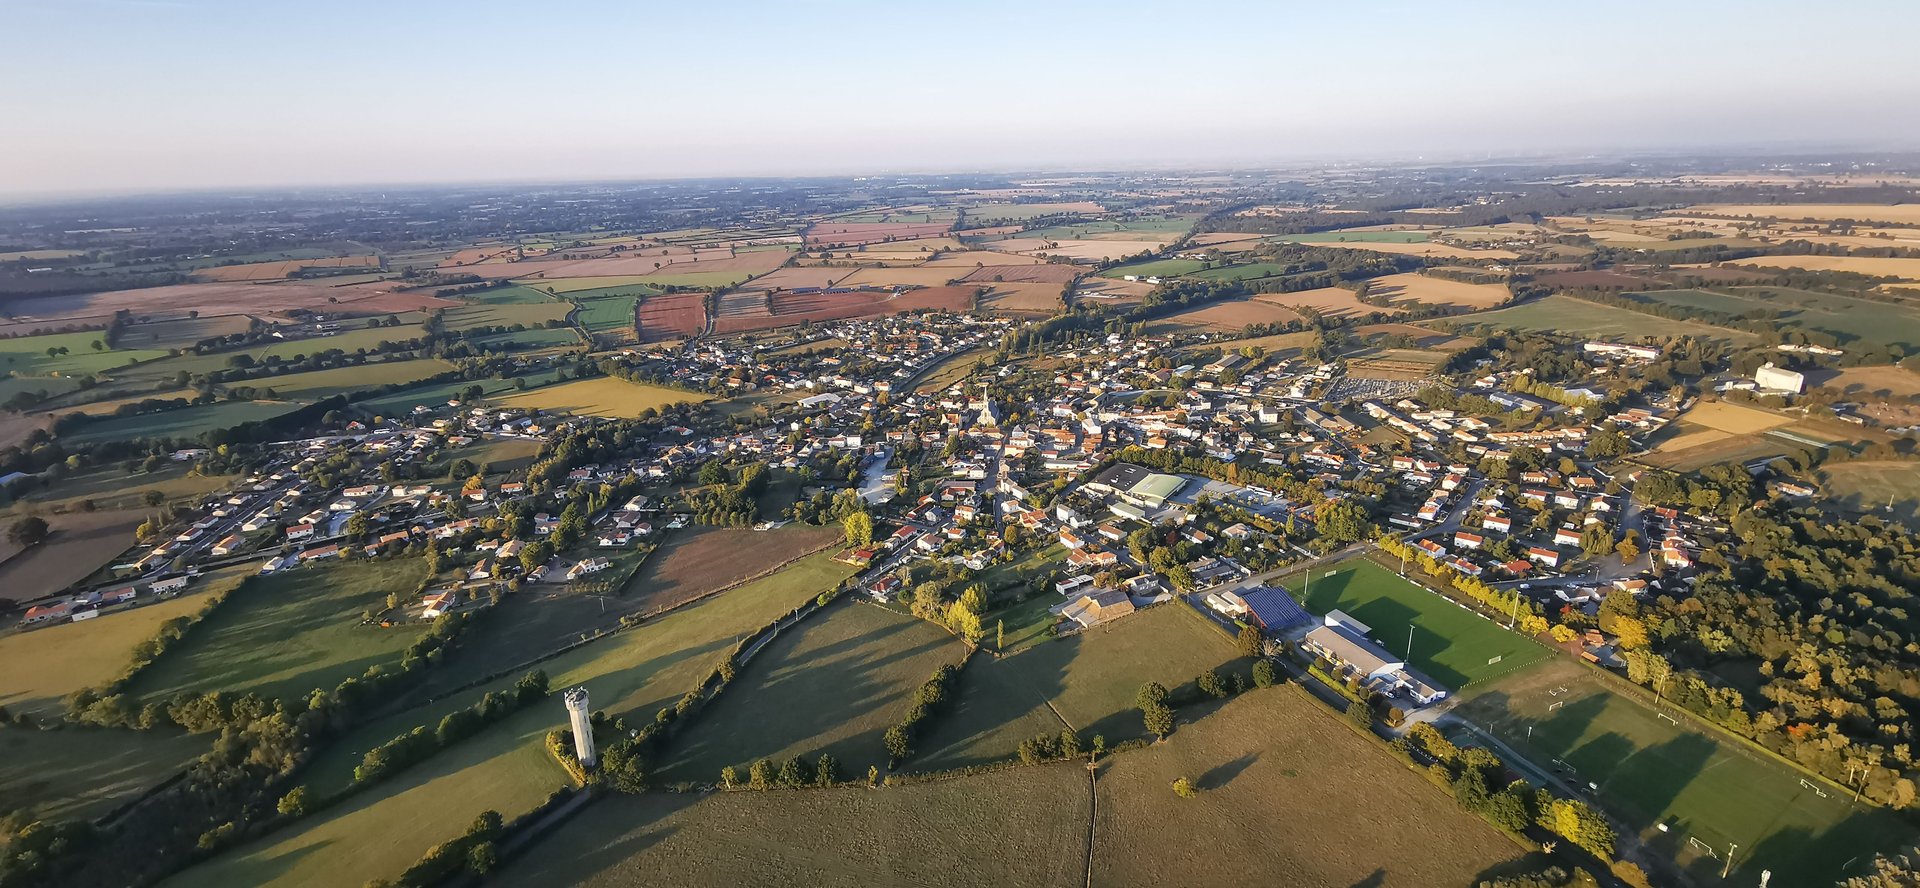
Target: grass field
(1569,315)
(1844,317)
(1451,644)
(566,286)
(43,666)
(1155,268)
(180,332)
(532,314)
(289,633)
(700,560)
(703,280)
(1024,827)
(504,767)
(1088,678)
(535,338)
(600,396)
(1357,237)
(951,370)
(515,295)
(85,772)
(833,683)
(1701,785)
(1863,487)
(1244,272)
(188,423)
(1286,786)
(1224,315)
(81,544)
(315,385)
(438,394)
(27,355)
(601,313)
(112,487)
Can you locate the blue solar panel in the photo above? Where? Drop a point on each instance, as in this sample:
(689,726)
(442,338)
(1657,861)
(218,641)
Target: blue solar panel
(1275,609)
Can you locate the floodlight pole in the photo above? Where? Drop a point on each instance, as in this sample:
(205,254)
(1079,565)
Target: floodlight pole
(1729,867)
(1409,642)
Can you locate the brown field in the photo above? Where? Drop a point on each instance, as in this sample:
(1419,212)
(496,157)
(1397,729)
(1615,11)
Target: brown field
(1901,213)
(1226,315)
(235,298)
(918,246)
(1905,269)
(1096,249)
(1413,287)
(1394,363)
(1734,419)
(902,277)
(701,561)
(1012,211)
(275,271)
(15,428)
(1107,290)
(1332,301)
(477,255)
(972,258)
(837,234)
(670,317)
(789,278)
(82,542)
(1283,784)
(1024,274)
(180,332)
(1015,244)
(1023,298)
(742,304)
(1423,337)
(1887,380)
(789,309)
(1697,438)
(1721,274)
(630,265)
(1731,448)
(1428,249)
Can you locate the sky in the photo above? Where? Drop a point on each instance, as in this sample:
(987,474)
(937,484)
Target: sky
(142,95)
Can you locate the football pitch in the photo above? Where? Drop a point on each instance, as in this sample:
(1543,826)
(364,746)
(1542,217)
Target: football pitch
(1450,644)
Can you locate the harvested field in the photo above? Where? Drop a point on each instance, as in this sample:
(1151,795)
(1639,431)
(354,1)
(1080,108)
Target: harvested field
(792,308)
(1370,234)
(832,684)
(1225,315)
(672,316)
(1214,238)
(697,562)
(1263,759)
(1024,274)
(1330,301)
(1429,250)
(1422,337)
(1412,287)
(1904,269)
(1907,214)
(1734,419)
(1026,298)
(1095,250)
(1111,291)
(275,271)
(1025,827)
(600,396)
(1727,449)
(790,278)
(1865,487)
(1394,363)
(1885,381)
(1022,212)
(1695,438)
(80,544)
(972,258)
(1596,280)
(839,234)
(920,247)
(1566,314)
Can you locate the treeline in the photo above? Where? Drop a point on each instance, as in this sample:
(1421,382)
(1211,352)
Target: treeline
(725,502)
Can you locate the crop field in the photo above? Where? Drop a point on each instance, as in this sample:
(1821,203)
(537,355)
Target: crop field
(1283,783)
(1098,250)
(1394,363)
(235,298)
(1734,419)
(1428,249)
(1702,785)
(81,543)
(27,355)
(274,271)
(1025,827)
(1023,298)
(1330,301)
(1024,212)
(566,286)
(77,772)
(1454,646)
(1412,287)
(833,683)
(1871,487)
(599,396)
(602,313)
(847,234)
(698,561)
(1089,678)
(1845,317)
(1224,315)
(1901,213)
(289,633)
(1904,269)
(180,332)
(1565,313)
(507,314)
(1155,268)
(905,277)
(44,665)
(1029,274)
(314,385)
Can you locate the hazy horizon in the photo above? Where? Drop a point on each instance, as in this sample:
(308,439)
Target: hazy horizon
(156,95)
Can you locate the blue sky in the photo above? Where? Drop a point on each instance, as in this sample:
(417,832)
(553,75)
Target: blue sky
(145,94)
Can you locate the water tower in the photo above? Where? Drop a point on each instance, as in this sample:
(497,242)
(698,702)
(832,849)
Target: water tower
(582,719)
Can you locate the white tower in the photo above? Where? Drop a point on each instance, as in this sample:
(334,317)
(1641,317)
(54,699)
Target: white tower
(582,719)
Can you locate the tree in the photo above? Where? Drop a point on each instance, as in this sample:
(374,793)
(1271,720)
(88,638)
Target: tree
(1185,788)
(729,777)
(1158,719)
(1250,641)
(1264,675)
(536,553)
(1628,549)
(482,858)
(1341,521)
(898,744)
(714,472)
(827,771)
(153,498)
(858,527)
(1360,714)
(28,531)
(760,774)
(295,803)
(1150,694)
(1210,684)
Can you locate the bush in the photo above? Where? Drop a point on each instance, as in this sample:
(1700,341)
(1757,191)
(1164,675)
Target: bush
(1264,674)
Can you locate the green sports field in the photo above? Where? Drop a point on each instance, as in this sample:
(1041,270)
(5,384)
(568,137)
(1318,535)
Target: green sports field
(1451,644)
(1706,788)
